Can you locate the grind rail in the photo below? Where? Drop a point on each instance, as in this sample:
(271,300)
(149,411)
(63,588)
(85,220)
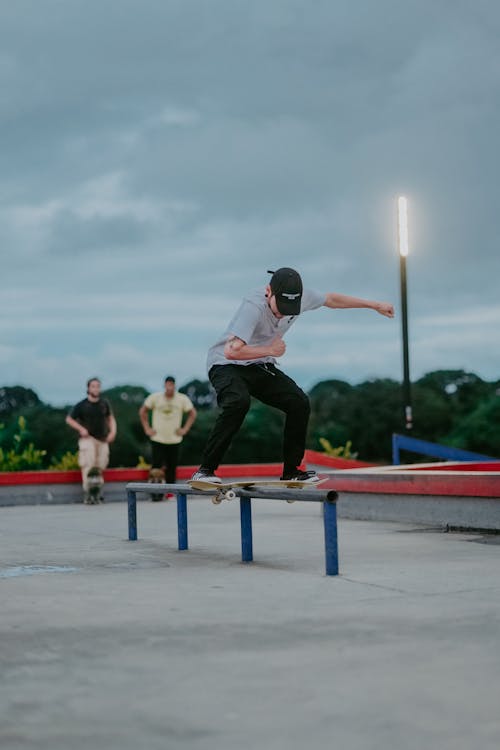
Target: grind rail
(327,497)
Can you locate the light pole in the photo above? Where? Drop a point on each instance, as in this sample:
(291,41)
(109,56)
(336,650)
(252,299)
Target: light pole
(403,253)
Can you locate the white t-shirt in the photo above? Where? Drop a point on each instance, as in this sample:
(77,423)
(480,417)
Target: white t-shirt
(167,415)
(255,324)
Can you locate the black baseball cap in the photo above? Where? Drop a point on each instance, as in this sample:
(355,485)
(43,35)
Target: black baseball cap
(286,285)
(170,379)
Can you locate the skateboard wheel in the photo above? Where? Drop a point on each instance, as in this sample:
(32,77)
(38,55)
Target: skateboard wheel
(216,500)
(230,495)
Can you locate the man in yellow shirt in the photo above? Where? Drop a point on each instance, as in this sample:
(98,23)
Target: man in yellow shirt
(167,429)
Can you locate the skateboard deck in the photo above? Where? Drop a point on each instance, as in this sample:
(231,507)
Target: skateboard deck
(225,490)
(156,476)
(95,481)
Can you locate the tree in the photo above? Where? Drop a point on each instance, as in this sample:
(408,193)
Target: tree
(480,430)
(433,413)
(462,390)
(330,404)
(365,414)
(131,442)
(47,429)
(453,407)
(15,398)
(374,414)
(201,394)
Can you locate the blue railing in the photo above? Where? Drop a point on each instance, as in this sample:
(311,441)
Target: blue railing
(328,498)
(436,450)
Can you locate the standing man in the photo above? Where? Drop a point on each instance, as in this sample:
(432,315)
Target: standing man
(93,419)
(242,363)
(166,431)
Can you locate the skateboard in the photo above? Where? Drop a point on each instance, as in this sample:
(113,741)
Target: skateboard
(225,490)
(95,482)
(156,476)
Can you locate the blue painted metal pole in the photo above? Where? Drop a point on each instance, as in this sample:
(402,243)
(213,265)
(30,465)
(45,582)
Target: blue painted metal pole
(331,546)
(132,515)
(436,450)
(396,458)
(182,522)
(246,529)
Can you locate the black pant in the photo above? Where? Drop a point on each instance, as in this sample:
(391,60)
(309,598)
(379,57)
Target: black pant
(165,457)
(234,385)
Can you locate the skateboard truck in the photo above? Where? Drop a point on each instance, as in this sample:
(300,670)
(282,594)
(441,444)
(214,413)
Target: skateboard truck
(223,495)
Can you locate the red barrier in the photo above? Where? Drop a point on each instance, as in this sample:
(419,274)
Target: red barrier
(399,481)
(134,475)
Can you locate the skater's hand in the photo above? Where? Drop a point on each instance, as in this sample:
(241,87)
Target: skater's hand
(277,347)
(149,431)
(385,308)
(84,433)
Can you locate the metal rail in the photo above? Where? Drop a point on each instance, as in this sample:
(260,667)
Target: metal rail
(328,498)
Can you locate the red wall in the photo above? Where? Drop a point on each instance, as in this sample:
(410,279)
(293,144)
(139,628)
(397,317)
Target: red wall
(183,472)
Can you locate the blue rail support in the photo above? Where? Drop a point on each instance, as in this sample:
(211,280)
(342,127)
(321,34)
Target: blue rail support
(331,542)
(246,529)
(436,450)
(182,522)
(132,515)
(327,498)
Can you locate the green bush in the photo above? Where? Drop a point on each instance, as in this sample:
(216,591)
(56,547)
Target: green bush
(21,455)
(68,462)
(343,451)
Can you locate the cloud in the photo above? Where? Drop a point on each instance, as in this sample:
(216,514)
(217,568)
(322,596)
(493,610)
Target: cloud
(157,163)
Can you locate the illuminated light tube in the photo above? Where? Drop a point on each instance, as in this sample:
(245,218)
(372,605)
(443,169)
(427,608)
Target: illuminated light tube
(403,226)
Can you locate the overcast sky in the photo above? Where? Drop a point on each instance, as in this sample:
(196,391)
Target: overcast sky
(158,156)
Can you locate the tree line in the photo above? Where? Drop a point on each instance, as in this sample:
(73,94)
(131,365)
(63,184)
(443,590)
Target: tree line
(453,407)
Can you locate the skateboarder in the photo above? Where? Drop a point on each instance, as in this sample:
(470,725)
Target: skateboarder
(95,424)
(242,363)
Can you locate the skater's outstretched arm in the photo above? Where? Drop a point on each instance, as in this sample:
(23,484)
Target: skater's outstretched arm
(336,301)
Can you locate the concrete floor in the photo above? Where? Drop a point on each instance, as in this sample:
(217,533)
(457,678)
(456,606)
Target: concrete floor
(106,643)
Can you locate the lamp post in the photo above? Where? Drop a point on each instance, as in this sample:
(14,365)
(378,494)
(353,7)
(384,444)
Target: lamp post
(403,253)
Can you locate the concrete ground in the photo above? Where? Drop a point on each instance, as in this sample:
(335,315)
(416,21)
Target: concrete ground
(106,643)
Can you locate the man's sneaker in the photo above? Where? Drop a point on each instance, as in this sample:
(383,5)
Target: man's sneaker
(202,475)
(301,476)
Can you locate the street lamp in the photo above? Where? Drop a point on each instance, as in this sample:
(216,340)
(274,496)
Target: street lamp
(403,253)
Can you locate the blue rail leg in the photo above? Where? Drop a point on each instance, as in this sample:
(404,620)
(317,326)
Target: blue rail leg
(246,529)
(132,515)
(182,521)
(331,546)
(396,460)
